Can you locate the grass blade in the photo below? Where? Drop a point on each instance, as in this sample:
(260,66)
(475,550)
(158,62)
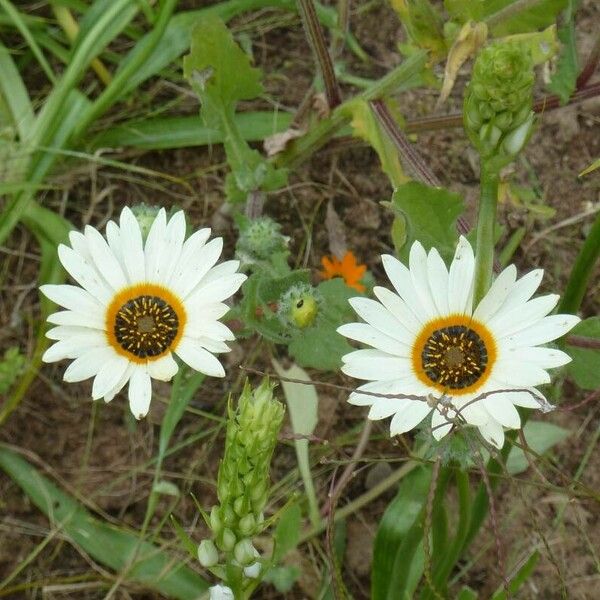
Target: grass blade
(110,545)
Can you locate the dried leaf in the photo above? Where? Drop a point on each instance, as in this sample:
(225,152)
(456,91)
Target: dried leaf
(276,143)
(335,232)
(470,38)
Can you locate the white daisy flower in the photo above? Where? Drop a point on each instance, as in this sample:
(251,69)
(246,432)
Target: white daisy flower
(136,304)
(428,341)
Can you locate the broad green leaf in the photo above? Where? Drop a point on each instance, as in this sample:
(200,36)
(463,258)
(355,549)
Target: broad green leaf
(540,15)
(282,578)
(365,126)
(302,402)
(219,70)
(287,532)
(542,45)
(564,80)
(397,527)
(466,593)
(585,366)
(186,132)
(429,215)
(111,546)
(320,346)
(541,437)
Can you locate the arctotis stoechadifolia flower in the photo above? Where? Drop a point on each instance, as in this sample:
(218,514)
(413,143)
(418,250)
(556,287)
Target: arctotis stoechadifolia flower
(138,303)
(429,341)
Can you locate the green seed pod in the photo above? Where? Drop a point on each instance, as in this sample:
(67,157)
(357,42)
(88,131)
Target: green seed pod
(259,240)
(497,110)
(299,306)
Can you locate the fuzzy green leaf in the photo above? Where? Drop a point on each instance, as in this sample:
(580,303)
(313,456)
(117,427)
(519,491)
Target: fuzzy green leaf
(287,532)
(219,70)
(110,545)
(426,214)
(584,367)
(11,367)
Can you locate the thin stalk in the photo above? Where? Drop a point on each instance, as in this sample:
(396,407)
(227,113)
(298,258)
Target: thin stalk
(582,271)
(316,39)
(510,11)
(486,219)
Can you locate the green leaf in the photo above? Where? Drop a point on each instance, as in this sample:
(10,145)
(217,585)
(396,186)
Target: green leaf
(365,126)
(219,70)
(584,366)
(320,346)
(302,402)
(282,577)
(185,132)
(396,530)
(541,436)
(467,593)
(109,545)
(564,80)
(522,575)
(542,45)
(595,165)
(429,215)
(287,532)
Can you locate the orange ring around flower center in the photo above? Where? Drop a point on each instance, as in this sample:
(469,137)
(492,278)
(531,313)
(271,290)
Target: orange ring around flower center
(132,293)
(455,320)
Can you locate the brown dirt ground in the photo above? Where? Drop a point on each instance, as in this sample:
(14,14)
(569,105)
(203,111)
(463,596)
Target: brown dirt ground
(53,424)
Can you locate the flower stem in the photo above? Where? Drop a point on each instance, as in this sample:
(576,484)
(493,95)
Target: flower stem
(486,220)
(582,270)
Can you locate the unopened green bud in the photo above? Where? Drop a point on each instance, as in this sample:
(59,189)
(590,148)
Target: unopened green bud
(259,240)
(227,540)
(497,110)
(247,525)
(299,305)
(244,552)
(208,555)
(215,520)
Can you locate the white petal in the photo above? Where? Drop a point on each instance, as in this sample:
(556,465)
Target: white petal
(72,297)
(497,294)
(212,345)
(65,332)
(74,347)
(519,374)
(201,308)
(163,368)
(523,289)
(546,330)
(172,245)
(84,273)
(80,244)
(78,318)
(108,375)
(420,280)
(154,245)
(365,394)
(385,407)
(115,243)
(198,358)
(546,358)
(88,364)
(438,281)
(367,334)
(401,279)
(220,289)
(381,319)
(532,399)
(375,365)
(121,383)
(229,267)
(461,278)
(199,327)
(196,261)
(505,322)
(503,411)
(493,433)
(140,392)
(104,260)
(398,308)
(409,417)
(440,426)
(132,247)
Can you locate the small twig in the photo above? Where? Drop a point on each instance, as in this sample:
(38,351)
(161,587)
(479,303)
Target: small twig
(590,65)
(329,506)
(581,341)
(316,39)
(435,474)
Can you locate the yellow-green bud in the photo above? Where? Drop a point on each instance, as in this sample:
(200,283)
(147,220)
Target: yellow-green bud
(244,552)
(299,305)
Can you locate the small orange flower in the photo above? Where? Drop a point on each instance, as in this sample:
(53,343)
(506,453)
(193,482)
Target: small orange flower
(346,268)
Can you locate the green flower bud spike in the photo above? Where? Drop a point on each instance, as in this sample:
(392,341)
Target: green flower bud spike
(242,486)
(497,111)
